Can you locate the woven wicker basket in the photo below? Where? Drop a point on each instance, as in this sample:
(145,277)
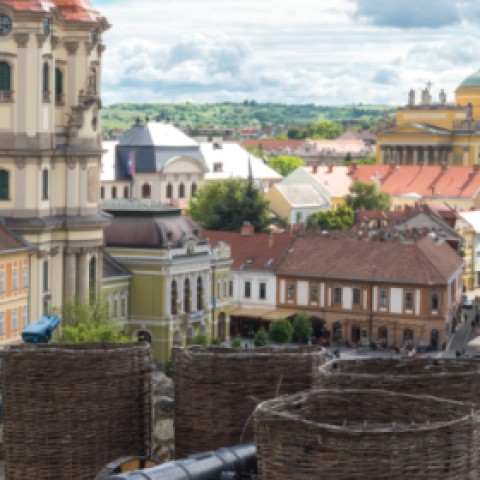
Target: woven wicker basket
(456,379)
(217,390)
(69,410)
(366,435)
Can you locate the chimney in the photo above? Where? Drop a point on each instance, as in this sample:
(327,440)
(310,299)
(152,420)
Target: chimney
(353,167)
(315,169)
(392,166)
(476,168)
(330,169)
(247,229)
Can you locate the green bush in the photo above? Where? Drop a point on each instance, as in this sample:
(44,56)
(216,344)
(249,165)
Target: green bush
(261,338)
(280,331)
(302,327)
(199,340)
(215,341)
(236,342)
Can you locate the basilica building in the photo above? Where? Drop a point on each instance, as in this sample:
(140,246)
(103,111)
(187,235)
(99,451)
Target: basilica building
(50,146)
(434,132)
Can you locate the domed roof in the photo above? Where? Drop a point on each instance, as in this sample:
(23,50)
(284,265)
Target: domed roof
(78,10)
(472,81)
(29,5)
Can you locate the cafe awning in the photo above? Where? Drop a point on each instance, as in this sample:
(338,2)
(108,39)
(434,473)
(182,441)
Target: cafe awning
(248,312)
(279,313)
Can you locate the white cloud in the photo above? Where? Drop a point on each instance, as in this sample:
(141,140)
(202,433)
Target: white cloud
(328,52)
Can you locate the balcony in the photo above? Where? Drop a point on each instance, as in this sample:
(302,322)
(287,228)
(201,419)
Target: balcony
(6,96)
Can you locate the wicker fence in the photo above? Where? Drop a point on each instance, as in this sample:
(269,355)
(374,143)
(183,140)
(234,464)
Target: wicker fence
(217,390)
(366,435)
(455,379)
(71,409)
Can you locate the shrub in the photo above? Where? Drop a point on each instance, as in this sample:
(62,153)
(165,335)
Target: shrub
(215,341)
(199,340)
(261,338)
(302,327)
(280,331)
(236,342)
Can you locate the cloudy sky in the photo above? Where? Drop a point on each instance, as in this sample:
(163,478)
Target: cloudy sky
(326,52)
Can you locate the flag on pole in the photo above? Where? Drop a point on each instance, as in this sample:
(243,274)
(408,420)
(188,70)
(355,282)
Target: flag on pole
(131,162)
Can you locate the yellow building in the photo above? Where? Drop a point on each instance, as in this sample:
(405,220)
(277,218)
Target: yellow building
(431,132)
(50,143)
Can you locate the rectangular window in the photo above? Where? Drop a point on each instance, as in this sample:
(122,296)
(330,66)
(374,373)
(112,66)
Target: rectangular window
(25,277)
(45,184)
(45,275)
(15,279)
(14,320)
(2,282)
(2,323)
(247,289)
(24,317)
(231,288)
(219,292)
(337,295)
(124,307)
(408,301)
(262,291)
(290,291)
(313,293)
(356,296)
(383,299)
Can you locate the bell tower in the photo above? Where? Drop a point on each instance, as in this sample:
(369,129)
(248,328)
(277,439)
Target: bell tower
(50,143)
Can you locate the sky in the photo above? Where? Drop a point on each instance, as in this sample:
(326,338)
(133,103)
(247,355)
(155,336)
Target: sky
(323,52)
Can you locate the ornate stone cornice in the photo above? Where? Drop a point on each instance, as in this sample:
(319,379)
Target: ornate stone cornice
(100,48)
(89,46)
(21,39)
(71,47)
(20,163)
(54,40)
(41,37)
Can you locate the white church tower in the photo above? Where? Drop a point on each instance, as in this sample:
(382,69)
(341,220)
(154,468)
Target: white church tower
(50,143)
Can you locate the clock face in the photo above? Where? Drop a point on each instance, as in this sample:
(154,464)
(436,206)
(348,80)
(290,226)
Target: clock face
(5,24)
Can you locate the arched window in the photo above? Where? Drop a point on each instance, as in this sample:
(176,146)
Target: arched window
(408,336)
(193,189)
(126,192)
(174,297)
(337,332)
(383,335)
(4,185)
(46,82)
(199,293)
(169,190)
(181,191)
(177,338)
(144,336)
(92,280)
(102,192)
(186,296)
(44,184)
(435,301)
(114,192)
(58,86)
(5,81)
(146,190)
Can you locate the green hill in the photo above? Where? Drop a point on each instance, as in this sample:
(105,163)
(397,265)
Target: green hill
(236,115)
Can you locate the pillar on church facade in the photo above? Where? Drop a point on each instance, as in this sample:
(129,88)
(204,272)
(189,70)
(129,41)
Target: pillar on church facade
(70,274)
(436,155)
(466,151)
(404,154)
(82,275)
(415,155)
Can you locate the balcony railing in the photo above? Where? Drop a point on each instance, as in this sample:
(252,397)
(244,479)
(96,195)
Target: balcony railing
(59,99)
(46,97)
(6,96)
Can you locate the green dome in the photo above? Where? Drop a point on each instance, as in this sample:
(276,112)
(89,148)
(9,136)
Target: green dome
(472,80)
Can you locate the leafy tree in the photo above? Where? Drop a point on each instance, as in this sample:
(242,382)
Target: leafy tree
(368,196)
(226,205)
(297,133)
(325,129)
(302,327)
(280,331)
(285,164)
(339,219)
(84,322)
(261,338)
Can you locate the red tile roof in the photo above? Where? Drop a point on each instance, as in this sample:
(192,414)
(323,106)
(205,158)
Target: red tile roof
(10,242)
(271,145)
(257,251)
(340,255)
(72,10)
(78,10)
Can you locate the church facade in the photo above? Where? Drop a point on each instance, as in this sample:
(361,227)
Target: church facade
(50,144)
(429,132)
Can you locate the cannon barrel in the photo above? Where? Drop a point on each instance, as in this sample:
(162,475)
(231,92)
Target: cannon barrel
(41,330)
(237,460)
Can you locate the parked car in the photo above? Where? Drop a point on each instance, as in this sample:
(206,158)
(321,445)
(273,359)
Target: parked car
(466,302)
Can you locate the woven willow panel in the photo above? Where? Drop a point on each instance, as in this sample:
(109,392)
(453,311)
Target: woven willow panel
(217,390)
(69,410)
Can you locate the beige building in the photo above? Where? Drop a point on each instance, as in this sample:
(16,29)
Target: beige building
(50,149)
